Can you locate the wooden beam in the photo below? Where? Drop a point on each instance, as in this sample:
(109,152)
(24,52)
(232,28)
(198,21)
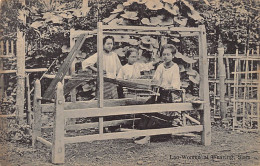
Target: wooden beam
(156,33)
(8,116)
(246,100)
(7,56)
(47,108)
(44,141)
(244,86)
(145,28)
(26,70)
(136,109)
(76,33)
(232,81)
(244,72)
(58,148)
(134,133)
(191,119)
(51,76)
(240,56)
(106,124)
(72,70)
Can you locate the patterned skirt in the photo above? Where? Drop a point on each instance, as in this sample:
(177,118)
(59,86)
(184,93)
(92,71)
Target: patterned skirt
(110,91)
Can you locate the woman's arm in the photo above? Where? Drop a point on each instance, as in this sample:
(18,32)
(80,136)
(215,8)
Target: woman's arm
(157,75)
(118,63)
(90,61)
(120,74)
(176,80)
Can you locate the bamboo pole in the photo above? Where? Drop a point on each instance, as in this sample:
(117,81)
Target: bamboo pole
(222,87)
(251,75)
(235,93)
(245,91)
(12,48)
(258,92)
(2,82)
(228,77)
(100,79)
(7,47)
(2,47)
(29,109)
(215,84)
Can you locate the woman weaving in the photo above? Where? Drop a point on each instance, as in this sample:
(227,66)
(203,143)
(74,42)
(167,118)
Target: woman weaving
(166,76)
(111,65)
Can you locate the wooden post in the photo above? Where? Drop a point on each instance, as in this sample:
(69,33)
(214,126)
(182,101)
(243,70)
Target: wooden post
(20,73)
(58,146)
(84,8)
(204,86)
(222,87)
(36,127)
(100,79)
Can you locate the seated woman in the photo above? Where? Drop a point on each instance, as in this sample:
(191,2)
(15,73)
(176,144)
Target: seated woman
(133,69)
(167,76)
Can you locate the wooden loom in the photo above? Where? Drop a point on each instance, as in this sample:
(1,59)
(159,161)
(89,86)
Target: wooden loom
(101,108)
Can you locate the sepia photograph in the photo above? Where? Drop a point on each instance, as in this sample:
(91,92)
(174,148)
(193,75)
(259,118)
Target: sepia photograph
(129,82)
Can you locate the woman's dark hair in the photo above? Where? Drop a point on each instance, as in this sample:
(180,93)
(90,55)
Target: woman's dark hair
(108,37)
(168,46)
(147,54)
(129,51)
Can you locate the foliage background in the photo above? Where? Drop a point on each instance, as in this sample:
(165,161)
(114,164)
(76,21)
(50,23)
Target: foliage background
(49,22)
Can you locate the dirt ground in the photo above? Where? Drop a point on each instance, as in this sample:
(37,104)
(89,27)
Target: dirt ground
(228,148)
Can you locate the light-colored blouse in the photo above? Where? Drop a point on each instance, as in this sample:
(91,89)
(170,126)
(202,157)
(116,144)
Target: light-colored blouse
(111,63)
(133,71)
(168,78)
